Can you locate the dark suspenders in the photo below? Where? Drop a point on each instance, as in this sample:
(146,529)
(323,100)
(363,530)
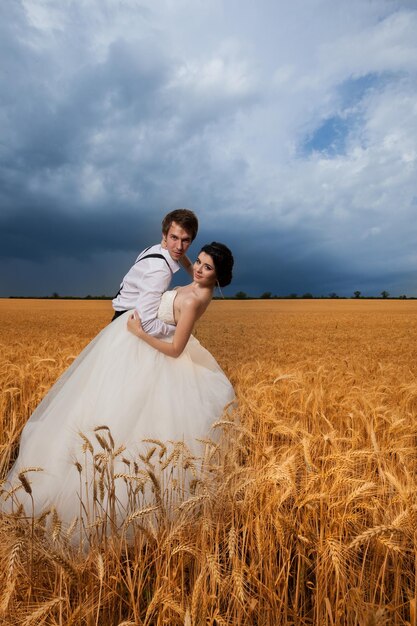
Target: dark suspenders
(147,256)
(154,256)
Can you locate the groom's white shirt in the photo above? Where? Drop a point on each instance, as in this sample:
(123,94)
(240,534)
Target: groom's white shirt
(142,289)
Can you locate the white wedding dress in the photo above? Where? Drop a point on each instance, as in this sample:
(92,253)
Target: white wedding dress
(120,383)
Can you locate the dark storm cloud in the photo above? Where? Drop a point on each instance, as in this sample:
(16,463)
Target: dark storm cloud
(282,263)
(43,234)
(62,122)
(53,124)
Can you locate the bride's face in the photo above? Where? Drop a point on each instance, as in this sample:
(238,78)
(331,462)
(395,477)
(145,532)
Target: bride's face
(204,271)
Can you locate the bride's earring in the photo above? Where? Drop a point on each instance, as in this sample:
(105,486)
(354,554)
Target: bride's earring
(218,286)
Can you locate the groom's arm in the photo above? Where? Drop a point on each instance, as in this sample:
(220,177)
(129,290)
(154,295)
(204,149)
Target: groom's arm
(154,282)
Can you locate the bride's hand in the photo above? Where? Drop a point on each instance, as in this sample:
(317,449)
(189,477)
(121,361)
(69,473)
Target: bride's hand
(134,324)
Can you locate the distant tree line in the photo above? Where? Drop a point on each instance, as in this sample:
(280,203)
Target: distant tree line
(242,295)
(267,295)
(55,296)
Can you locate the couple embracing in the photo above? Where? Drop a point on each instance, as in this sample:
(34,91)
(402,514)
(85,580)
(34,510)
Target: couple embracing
(144,376)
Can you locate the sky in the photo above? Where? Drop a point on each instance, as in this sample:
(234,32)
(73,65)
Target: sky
(290,128)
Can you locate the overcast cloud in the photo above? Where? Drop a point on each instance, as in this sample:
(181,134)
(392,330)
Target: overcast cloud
(289,127)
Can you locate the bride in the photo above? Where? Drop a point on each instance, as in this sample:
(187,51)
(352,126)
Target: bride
(124,387)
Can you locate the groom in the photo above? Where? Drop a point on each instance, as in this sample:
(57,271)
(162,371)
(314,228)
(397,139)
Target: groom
(150,276)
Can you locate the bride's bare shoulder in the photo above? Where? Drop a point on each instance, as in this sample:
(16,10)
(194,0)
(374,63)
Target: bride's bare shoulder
(191,301)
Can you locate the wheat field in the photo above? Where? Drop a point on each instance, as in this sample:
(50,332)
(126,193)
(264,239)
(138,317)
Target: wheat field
(306,512)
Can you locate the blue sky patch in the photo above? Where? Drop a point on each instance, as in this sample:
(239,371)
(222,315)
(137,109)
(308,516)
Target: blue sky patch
(353,90)
(330,137)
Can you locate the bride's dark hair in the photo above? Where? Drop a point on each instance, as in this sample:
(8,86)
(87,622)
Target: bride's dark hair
(223,261)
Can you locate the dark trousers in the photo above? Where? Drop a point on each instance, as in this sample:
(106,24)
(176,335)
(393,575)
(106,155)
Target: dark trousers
(116,315)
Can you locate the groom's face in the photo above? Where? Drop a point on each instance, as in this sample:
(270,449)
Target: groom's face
(176,241)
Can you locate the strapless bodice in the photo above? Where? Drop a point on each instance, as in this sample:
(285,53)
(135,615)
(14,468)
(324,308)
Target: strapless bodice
(166,307)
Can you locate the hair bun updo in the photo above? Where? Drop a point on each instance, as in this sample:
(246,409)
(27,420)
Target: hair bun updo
(223,261)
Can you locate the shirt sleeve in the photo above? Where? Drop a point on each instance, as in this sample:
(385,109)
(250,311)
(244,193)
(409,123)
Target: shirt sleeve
(154,281)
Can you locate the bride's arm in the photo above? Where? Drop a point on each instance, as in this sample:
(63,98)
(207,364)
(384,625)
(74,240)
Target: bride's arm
(183,330)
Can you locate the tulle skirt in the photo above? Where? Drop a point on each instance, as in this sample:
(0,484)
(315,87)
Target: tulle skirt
(91,425)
